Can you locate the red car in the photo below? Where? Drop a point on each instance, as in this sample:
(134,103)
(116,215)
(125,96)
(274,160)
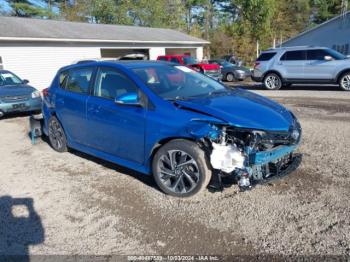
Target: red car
(212,70)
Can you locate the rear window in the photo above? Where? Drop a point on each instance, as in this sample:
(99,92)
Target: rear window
(162,58)
(294,56)
(265,56)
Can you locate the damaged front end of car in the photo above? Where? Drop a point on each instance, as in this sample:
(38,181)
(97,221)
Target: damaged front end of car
(249,156)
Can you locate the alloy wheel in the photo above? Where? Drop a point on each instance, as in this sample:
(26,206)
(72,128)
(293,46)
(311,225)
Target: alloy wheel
(272,82)
(345,82)
(230,77)
(178,171)
(56,135)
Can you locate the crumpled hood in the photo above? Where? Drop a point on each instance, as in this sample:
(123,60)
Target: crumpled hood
(16,90)
(244,109)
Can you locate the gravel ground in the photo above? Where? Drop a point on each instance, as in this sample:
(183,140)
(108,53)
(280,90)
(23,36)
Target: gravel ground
(82,205)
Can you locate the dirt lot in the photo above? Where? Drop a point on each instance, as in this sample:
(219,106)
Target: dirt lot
(86,206)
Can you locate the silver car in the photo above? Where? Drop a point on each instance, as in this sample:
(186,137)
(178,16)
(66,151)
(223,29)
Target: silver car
(302,65)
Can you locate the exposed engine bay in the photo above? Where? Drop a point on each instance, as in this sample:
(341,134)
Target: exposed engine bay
(251,156)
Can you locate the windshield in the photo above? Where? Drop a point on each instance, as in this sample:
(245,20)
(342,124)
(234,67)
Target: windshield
(7,78)
(178,82)
(188,60)
(336,55)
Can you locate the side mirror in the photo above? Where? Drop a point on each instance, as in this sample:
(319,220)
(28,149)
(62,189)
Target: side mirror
(328,58)
(25,81)
(128,99)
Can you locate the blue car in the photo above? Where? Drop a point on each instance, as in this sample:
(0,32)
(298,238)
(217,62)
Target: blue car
(16,95)
(170,121)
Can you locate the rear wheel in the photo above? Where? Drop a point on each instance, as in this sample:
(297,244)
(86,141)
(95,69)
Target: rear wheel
(57,136)
(230,77)
(272,81)
(180,168)
(344,82)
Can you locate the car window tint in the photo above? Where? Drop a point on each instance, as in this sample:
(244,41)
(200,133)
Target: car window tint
(294,56)
(162,58)
(79,80)
(63,79)
(174,60)
(111,84)
(266,56)
(317,54)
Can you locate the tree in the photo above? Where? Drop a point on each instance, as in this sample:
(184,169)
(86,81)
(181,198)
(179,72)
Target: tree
(25,8)
(324,10)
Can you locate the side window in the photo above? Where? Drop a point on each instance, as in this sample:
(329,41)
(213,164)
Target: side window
(162,58)
(174,60)
(79,80)
(111,83)
(317,54)
(63,79)
(294,56)
(266,56)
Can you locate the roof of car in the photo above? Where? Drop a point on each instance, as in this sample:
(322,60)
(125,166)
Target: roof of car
(126,63)
(293,48)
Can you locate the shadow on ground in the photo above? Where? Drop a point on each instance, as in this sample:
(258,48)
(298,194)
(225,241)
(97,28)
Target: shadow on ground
(146,179)
(20,226)
(257,86)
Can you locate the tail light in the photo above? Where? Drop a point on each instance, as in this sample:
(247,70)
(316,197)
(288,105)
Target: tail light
(46,92)
(256,64)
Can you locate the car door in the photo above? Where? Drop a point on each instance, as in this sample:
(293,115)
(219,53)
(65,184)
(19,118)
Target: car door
(114,128)
(292,64)
(317,67)
(70,101)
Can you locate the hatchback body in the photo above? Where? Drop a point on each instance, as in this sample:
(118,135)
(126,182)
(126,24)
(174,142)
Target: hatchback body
(16,95)
(169,120)
(302,65)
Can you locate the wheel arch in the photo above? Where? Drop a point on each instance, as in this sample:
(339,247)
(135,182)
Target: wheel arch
(164,141)
(273,72)
(341,73)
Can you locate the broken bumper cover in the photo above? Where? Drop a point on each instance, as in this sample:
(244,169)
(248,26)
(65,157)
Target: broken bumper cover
(265,157)
(279,162)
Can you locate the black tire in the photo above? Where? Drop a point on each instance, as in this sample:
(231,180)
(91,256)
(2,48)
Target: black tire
(230,77)
(272,81)
(2,114)
(57,137)
(344,81)
(178,179)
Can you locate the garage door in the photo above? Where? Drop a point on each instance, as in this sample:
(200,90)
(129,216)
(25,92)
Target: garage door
(117,53)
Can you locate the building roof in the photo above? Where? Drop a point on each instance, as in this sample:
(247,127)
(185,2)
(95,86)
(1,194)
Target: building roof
(342,16)
(29,29)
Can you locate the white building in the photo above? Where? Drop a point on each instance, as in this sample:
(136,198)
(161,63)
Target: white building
(334,33)
(35,49)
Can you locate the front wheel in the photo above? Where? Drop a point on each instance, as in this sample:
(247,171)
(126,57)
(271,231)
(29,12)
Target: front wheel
(180,168)
(272,81)
(230,77)
(57,136)
(344,82)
